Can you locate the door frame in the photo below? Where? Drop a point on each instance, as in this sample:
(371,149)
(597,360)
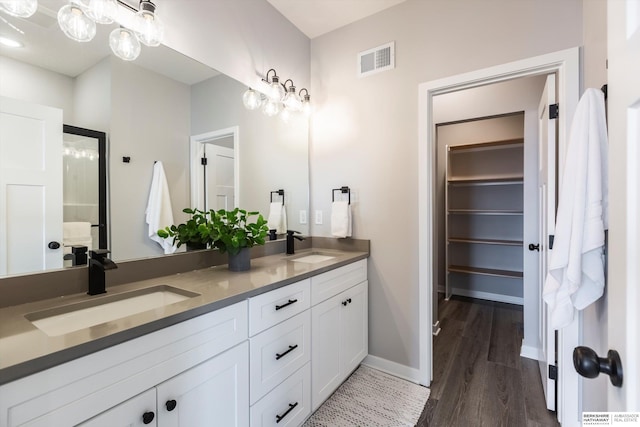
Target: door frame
(205,138)
(566,65)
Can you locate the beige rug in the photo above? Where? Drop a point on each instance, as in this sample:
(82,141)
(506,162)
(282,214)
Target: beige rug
(372,398)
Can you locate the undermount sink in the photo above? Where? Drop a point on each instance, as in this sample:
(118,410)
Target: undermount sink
(313,258)
(74,317)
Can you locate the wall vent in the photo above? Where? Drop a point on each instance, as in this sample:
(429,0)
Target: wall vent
(378,59)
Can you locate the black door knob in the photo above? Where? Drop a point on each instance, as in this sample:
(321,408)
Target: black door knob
(171,405)
(147,417)
(54,245)
(533,247)
(589,365)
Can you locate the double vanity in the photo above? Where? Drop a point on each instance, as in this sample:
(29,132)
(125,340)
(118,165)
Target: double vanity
(201,348)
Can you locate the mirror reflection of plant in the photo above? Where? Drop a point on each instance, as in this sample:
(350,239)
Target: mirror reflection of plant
(227,231)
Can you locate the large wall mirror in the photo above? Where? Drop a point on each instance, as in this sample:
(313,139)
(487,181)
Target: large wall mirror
(156,108)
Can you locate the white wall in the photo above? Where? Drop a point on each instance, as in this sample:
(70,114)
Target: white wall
(92,98)
(364,132)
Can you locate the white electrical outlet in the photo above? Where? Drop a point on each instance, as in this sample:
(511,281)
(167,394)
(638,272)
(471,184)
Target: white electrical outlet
(303,217)
(318,217)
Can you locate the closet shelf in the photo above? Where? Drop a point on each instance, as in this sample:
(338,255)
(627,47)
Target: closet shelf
(487,180)
(486,241)
(492,145)
(485,271)
(484,212)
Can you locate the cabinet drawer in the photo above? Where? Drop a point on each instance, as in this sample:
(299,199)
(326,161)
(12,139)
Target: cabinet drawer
(273,307)
(277,353)
(333,282)
(289,404)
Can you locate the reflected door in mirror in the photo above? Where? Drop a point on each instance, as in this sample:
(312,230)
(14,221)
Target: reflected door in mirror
(30,187)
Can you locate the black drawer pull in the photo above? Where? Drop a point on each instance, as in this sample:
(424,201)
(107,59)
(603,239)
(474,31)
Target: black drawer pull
(291,301)
(148,417)
(281,417)
(171,405)
(291,348)
(347,301)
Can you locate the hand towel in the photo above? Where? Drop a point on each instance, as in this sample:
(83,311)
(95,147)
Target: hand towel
(341,219)
(277,219)
(159,212)
(576,268)
(76,234)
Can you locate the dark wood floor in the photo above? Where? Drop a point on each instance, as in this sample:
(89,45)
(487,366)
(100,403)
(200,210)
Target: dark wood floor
(479,378)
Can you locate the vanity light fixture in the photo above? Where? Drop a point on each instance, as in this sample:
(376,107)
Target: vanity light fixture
(280,98)
(252,99)
(306,101)
(75,24)
(19,8)
(124,44)
(78,21)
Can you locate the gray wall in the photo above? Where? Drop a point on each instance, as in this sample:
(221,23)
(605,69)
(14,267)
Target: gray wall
(364,132)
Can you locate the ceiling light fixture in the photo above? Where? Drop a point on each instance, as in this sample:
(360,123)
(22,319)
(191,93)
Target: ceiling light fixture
(75,24)
(19,8)
(150,28)
(101,11)
(278,98)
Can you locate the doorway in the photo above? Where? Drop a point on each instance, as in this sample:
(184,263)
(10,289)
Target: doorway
(566,65)
(215,169)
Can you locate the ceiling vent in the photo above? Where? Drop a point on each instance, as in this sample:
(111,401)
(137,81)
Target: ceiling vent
(378,59)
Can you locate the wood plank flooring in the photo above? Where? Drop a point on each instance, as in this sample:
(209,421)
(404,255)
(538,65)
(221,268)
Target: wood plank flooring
(479,377)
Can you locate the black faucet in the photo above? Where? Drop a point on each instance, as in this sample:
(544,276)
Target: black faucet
(290,236)
(98,264)
(78,255)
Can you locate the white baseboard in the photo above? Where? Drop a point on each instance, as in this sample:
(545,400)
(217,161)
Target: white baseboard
(530,352)
(488,296)
(393,368)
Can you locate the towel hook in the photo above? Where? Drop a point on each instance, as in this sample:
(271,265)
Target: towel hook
(278,192)
(343,190)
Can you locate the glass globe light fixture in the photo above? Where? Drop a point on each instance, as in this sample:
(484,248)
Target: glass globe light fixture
(271,107)
(124,44)
(149,27)
(252,99)
(75,24)
(277,91)
(306,107)
(19,8)
(291,100)
(101,11)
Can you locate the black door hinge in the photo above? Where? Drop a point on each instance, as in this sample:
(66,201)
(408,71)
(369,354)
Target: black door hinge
(554,110)
(203,161)
(553,372)
(551,237)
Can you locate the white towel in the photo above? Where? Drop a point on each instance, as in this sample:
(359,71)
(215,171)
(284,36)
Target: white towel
(76,234)
(341,219)
(277,217)
(576,268)
(159,212)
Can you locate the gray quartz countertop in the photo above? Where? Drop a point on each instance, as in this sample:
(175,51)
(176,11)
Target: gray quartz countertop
(25,349)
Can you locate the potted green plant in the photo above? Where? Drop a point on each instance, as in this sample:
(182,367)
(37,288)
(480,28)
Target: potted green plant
(195,233)
(235,234)
(227,231)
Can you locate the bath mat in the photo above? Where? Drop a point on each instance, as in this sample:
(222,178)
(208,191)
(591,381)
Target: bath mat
(374,399)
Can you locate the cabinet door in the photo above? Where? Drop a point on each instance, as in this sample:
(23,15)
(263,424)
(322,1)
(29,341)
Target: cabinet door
(355,328)
(325,349)
(214,393)
(138,411)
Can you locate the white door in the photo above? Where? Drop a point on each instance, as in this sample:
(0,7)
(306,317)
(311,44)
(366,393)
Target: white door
(219,177)
(546,215)
(30,187)
(139,411)
(214,393)
(624,199)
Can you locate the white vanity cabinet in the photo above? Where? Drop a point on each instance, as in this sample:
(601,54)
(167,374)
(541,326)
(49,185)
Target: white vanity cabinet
(279,354)
(202,363)
(339,329)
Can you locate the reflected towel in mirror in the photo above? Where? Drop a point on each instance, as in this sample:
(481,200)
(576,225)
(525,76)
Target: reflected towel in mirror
(277,217)
(159,212)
